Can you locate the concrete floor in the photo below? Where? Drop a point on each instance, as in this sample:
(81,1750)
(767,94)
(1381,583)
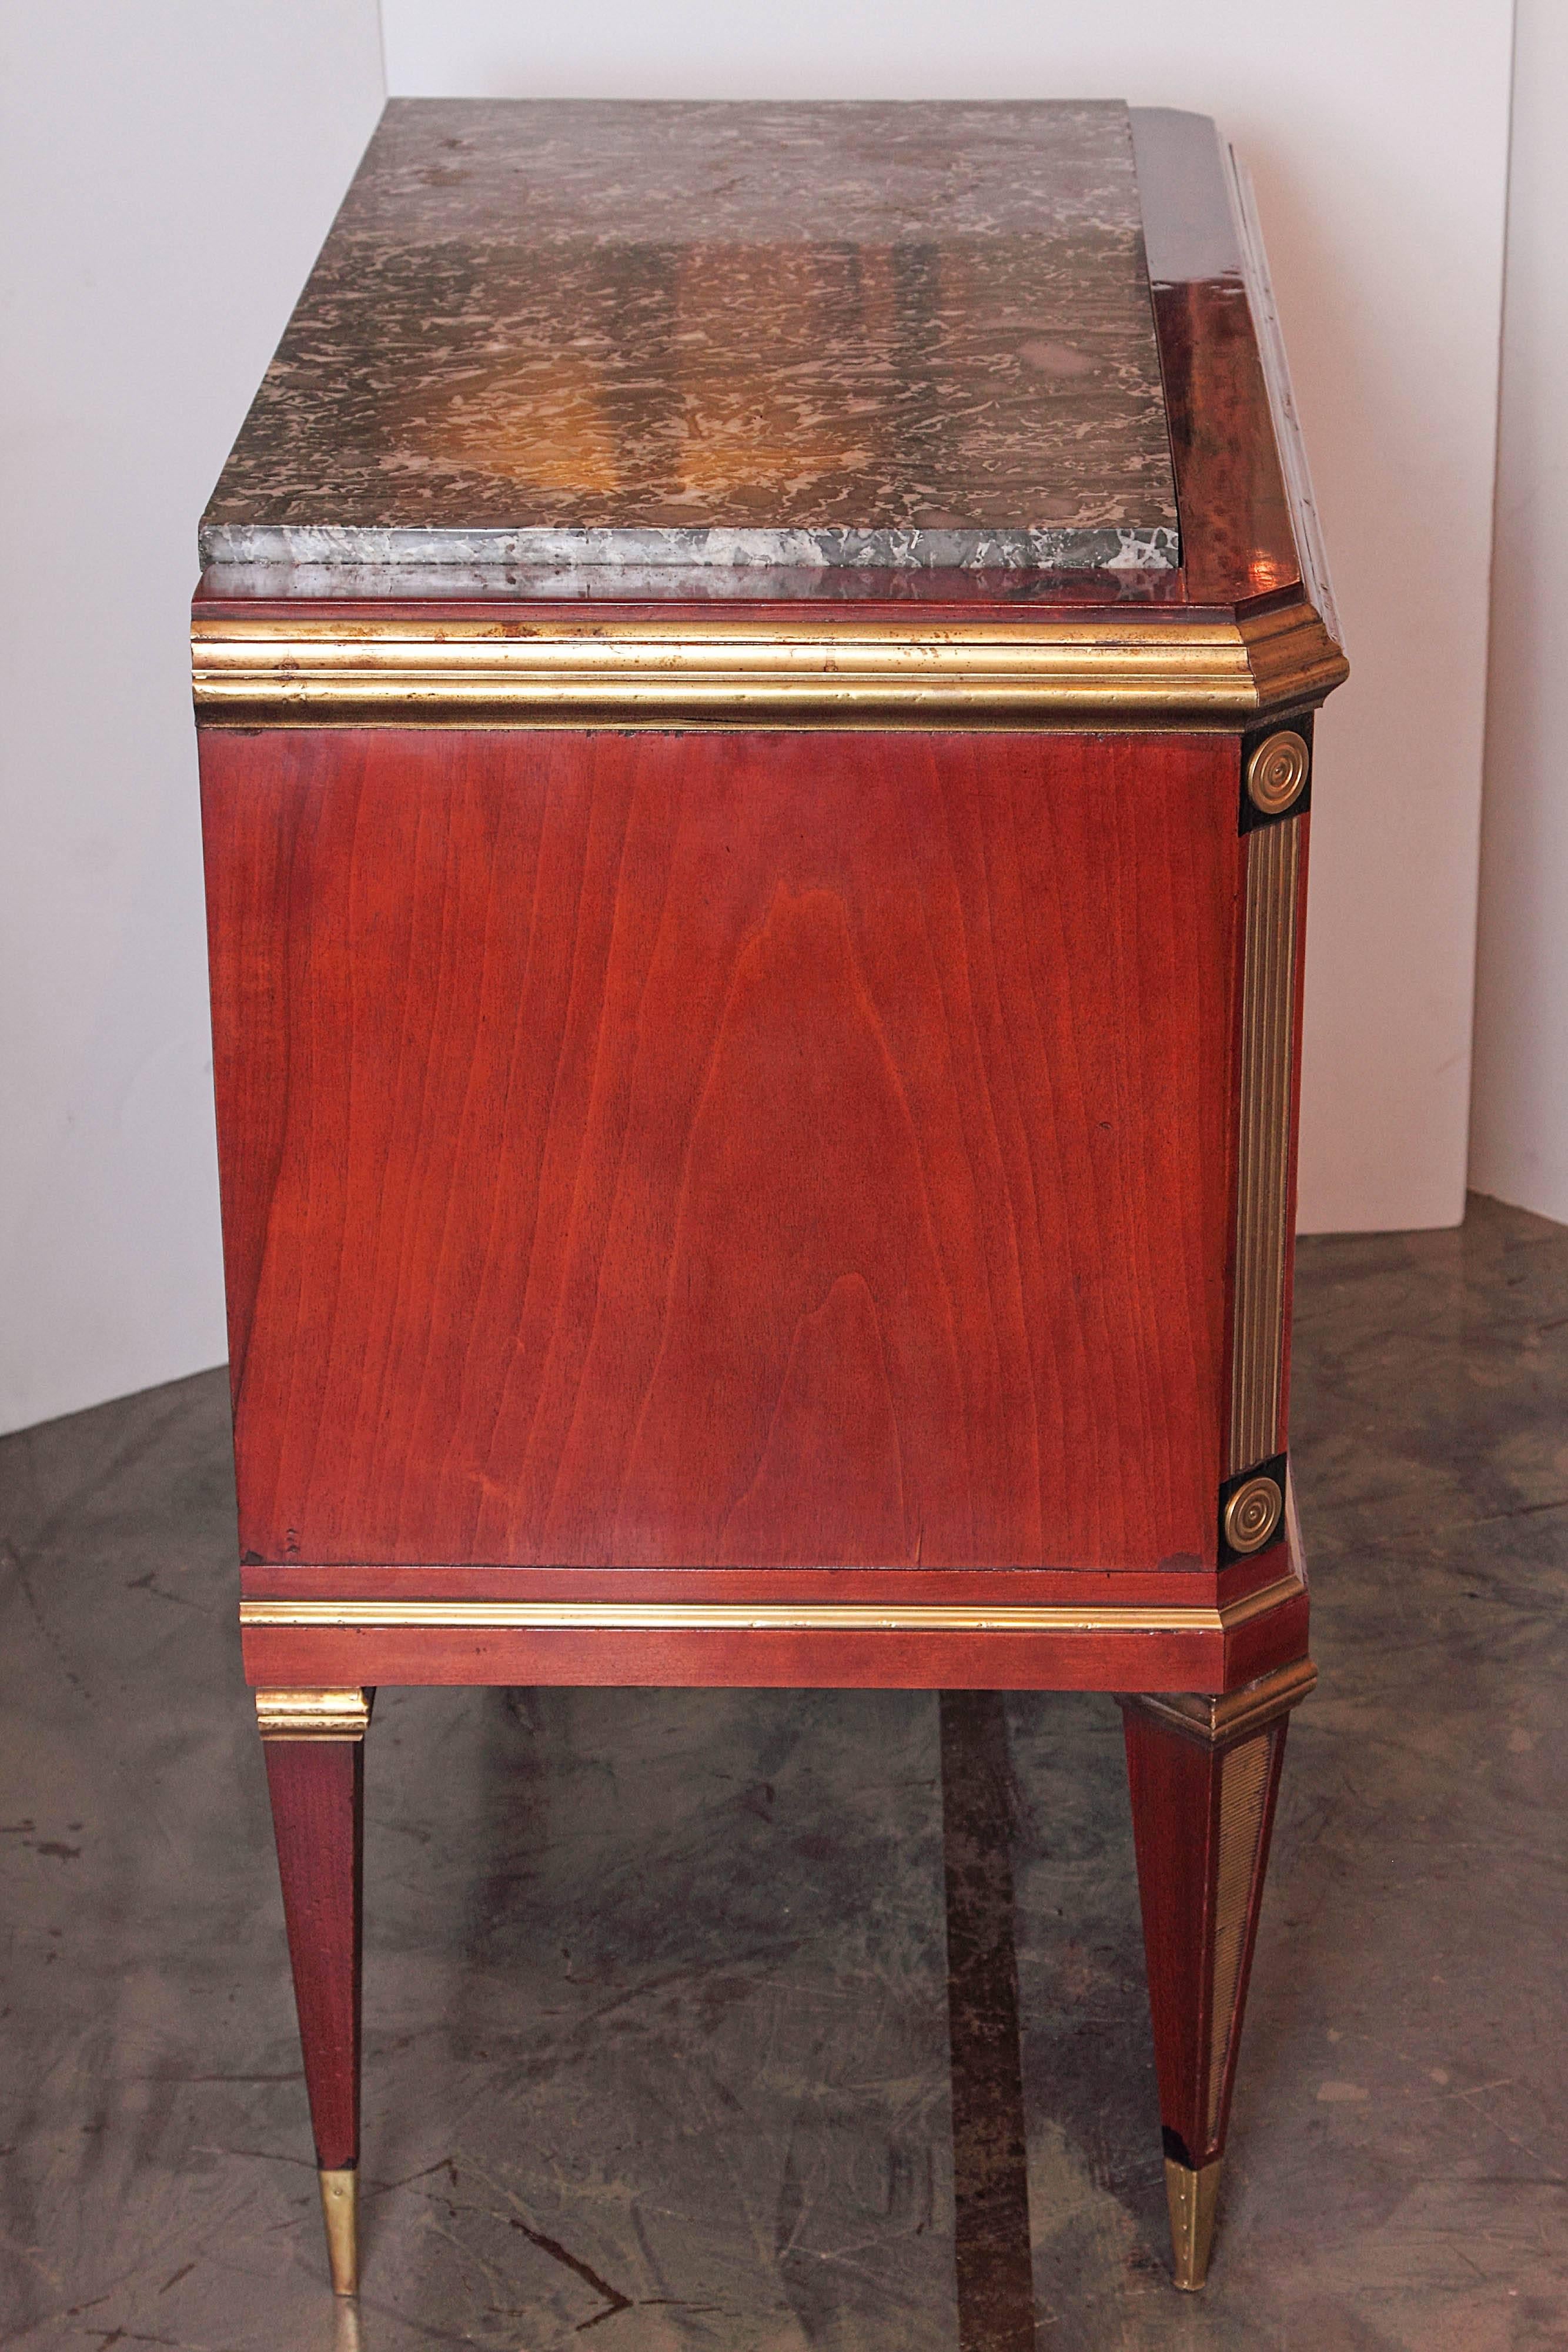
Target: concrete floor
(656,1988)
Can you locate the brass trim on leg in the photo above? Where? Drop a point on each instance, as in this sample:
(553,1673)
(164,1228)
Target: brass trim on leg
(1244,1769)
(1221,1722)
(313,1714)
(1263,1142)
(341,2212)
(1190,2197)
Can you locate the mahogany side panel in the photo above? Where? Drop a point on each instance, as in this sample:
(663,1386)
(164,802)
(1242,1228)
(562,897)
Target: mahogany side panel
(316,1786)
(745,1657)
(725,1148)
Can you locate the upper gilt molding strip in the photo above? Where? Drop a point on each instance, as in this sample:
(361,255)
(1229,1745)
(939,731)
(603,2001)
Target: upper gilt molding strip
(761,1617)
(1152,670)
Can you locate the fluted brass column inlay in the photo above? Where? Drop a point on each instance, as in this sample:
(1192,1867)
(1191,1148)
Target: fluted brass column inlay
(1262,1176)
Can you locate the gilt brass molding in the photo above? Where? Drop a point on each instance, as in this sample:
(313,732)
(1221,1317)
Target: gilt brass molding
(1263,1139)
(759,1617)
(312,1714)
(1221,1722)
(1159,669)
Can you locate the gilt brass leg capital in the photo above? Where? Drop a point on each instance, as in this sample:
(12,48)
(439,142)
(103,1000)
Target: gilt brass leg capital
(1190,2195)
(340,2211)
(313,1714)
(1221,1722)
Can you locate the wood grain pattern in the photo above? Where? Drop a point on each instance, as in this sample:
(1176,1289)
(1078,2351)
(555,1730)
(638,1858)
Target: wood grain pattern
(316,1786)
(1076,1588)
(738,1148)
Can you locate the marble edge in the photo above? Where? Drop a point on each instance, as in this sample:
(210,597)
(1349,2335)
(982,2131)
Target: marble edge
(822,587)
(239,547)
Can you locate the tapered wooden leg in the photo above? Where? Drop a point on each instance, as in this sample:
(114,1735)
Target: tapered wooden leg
(1204,1774)
(314,1743)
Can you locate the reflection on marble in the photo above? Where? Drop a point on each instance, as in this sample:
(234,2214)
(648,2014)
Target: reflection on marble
(657,1982)
(809,336)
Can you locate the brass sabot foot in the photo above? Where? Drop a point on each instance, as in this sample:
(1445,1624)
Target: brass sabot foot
(340,2211)
(1191,2198)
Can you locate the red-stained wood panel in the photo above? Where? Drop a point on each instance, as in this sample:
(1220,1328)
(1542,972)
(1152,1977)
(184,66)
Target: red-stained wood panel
(742,1658)
(777,1149)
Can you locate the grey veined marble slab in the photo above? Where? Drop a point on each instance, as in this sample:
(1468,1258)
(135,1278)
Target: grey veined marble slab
(725,335)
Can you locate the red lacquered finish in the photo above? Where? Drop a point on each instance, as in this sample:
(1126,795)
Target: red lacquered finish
(736,1149)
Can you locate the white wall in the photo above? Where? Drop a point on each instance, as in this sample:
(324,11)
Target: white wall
(1377,135)
(167,171)
(1520,1123)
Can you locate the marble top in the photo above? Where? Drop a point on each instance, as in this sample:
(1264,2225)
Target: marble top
(646,335)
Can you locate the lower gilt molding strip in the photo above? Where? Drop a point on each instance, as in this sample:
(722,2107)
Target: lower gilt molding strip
(699,1616)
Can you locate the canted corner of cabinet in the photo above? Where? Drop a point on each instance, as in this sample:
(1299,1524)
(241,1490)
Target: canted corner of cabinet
(1291,656)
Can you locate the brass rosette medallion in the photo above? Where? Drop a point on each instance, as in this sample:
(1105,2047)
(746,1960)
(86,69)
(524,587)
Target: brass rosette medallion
(1252,1514)
(1277,772)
